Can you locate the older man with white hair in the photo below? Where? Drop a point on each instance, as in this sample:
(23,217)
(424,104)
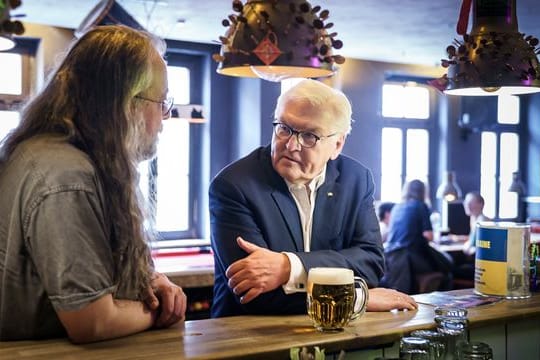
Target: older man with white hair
(294,205)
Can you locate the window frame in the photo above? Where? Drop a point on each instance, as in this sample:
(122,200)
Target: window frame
(498,130)
(31,77)
(429,124)
(196,218)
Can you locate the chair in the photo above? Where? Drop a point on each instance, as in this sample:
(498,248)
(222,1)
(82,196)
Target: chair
(429,282)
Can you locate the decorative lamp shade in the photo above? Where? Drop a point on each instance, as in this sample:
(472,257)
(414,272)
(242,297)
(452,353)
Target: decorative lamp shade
(6,42)
(278,39)
(449,190)
(495,58)
(9,27)
(106,12)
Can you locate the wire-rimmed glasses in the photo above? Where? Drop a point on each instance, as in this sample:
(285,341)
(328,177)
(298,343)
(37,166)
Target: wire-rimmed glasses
(306,138)
(166,105)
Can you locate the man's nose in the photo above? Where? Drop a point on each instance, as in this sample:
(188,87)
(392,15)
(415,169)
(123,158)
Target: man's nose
(294,143)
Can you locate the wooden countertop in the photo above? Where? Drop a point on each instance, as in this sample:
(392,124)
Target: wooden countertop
(262,337)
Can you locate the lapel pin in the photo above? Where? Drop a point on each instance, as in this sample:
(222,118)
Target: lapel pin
(330,194)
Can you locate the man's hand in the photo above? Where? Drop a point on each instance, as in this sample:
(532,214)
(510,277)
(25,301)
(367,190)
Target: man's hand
(261,271)
(169,298)
(382,299)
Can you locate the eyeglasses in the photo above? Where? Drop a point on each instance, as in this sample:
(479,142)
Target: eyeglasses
(166,105)
(306,138)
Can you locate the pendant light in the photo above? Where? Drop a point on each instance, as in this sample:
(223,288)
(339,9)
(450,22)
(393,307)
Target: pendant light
(278,39)
(106,12)
(517,184)
(9,27)
(495,58)
(449,190)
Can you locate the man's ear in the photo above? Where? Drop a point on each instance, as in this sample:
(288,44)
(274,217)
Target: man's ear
(339,146)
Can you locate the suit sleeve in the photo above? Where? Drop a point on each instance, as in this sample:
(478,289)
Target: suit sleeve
(231,216)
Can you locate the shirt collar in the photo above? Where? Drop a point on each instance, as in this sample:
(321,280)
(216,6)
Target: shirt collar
(313,185)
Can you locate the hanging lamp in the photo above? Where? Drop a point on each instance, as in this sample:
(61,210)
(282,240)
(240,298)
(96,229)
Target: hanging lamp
(449,190)
(278,39)
(106,12)
(495,58)
(517,184)
(9,27)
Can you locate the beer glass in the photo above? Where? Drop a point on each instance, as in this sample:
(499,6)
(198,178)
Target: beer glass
(332,298)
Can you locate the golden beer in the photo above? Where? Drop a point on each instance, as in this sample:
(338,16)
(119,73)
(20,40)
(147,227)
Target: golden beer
(331,297)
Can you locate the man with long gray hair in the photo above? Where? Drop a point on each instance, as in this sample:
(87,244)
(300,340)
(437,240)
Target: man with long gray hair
(74,258)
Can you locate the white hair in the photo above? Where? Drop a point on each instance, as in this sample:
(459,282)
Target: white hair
(323,98)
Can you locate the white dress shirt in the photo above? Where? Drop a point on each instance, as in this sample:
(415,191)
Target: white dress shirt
(304,197)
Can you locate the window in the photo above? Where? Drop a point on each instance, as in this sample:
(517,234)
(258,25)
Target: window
(170,180)
(8,121)
(11,73)
(405,137)
(17,78)
(11,78)
(391,166)
(499,159)
(168,173)
(405,101)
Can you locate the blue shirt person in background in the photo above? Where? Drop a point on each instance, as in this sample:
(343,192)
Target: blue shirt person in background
(407,250)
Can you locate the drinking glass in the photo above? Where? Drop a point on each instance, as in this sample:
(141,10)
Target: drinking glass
(414,348)
(474,350)
(452,323)
(333,299)
(437,347)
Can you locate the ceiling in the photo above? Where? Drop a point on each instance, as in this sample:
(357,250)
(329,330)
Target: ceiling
(402,31)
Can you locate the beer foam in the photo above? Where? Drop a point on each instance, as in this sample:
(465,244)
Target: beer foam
(330,276)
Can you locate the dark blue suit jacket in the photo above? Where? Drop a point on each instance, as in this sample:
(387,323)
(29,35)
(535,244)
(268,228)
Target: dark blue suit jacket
(250,199)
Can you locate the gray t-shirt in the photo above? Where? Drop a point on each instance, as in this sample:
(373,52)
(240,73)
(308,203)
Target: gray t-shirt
(55,239)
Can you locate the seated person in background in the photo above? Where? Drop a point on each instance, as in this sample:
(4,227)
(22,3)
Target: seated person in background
(73,237)
(383,211)
(473,205)
(294,205)
(407,251)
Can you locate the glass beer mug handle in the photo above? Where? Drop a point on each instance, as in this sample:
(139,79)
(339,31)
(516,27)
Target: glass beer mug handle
(361,283)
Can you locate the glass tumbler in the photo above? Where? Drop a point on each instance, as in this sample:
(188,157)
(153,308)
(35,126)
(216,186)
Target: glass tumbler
(437,346)
(414,348)
(474,350)
(453,324)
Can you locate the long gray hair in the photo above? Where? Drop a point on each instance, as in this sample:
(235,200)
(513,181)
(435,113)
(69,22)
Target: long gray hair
(90,102)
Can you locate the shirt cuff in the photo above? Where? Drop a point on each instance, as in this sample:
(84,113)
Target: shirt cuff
(298,276)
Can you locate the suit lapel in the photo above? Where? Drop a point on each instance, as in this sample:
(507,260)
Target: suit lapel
(325,215)
(289,212)
(284,202)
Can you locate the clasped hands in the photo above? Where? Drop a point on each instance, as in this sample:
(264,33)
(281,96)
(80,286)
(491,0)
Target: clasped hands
(167,299)
(264,270)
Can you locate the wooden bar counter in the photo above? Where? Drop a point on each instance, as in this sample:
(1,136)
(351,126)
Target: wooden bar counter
(511,327)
